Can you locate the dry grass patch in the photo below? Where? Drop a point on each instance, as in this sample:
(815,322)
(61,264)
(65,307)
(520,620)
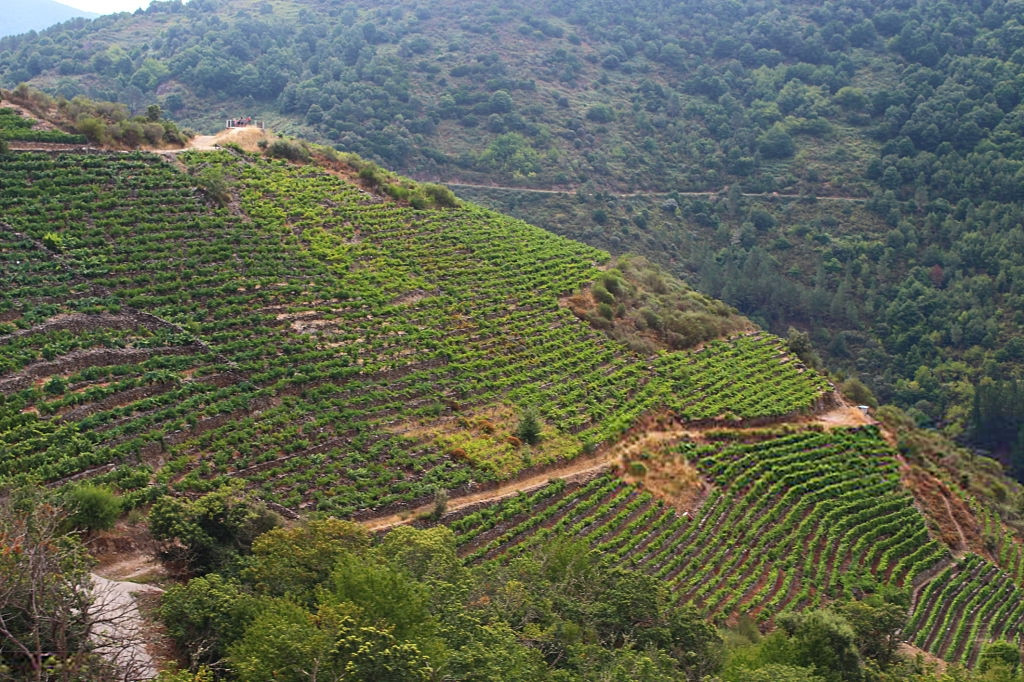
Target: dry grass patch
(670,476)
(485,438)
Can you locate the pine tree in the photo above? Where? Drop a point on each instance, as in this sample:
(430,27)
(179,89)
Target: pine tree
(528,430)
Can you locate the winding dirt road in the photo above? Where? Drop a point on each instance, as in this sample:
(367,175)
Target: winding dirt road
(843,416)
(629,195)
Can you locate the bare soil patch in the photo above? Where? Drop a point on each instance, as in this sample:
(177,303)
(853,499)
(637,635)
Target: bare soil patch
(911,652)
(955,523)
(843,416)
(247,138)
(127,552)
(670,476)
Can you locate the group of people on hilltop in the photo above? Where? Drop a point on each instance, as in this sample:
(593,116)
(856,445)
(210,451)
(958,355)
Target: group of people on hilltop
(240,122)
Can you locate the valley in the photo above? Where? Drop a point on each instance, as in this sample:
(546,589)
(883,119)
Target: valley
(680,343)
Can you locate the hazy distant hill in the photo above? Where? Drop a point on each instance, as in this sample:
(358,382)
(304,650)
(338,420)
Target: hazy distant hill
(21,16)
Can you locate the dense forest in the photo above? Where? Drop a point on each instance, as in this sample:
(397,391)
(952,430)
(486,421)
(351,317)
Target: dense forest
(903,117)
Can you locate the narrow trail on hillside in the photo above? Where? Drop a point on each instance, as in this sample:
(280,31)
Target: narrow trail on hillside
(843,416)
(630,195)
(121,631)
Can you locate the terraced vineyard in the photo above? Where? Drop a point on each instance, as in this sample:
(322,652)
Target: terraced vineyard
(792,521)
(332,350)
(970,600)
(336,351)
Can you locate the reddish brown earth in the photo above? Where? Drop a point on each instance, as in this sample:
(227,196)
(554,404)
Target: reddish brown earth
(956,523)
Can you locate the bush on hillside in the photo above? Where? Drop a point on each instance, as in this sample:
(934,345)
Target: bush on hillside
(528,430)
(92,507)
(285,149)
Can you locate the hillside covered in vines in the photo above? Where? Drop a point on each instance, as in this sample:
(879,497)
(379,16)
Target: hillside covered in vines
(197,331)
(331,348)
(903,117)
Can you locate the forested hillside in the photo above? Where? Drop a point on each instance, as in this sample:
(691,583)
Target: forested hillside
(903,117)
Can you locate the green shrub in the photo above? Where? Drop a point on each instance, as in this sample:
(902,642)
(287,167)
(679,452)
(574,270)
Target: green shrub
(93,128)
(92,507)
(602,295)
(130,133)
(371,175)
(612,281)
(214,181)
(55,386)
(153,132)
(440,504)
(440,195)
(53,241)
(397,192)
(600,113)
(292,151)
(855,390)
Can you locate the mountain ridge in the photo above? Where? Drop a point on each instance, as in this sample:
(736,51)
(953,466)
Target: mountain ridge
(22,16)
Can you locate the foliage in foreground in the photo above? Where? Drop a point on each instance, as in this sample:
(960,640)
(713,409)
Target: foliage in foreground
(322,596)
(326,598)
(104,123)
(55,622)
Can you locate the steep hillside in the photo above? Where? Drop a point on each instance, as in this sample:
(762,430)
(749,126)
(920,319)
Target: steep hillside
(889,130)
(333,349)
(334,338)
(782,520)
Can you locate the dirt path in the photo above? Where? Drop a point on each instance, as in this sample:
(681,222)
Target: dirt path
(840,417)
(630,195)
(844,416)
(247,138)
(580,467)
(203,143)
(120,628)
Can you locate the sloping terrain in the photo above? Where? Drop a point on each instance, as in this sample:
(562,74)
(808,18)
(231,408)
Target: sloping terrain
(174,325)
(332,349)
(787,521)
(890,132)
